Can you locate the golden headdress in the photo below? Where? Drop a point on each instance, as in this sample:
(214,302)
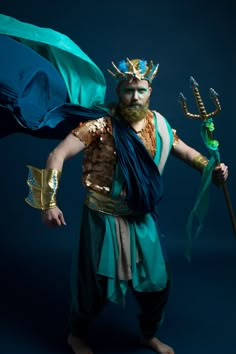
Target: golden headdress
(134,69)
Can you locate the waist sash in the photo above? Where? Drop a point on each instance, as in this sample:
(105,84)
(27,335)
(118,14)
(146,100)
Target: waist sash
(106,204)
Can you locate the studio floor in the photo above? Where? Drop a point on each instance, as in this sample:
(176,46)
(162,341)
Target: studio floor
(200,316)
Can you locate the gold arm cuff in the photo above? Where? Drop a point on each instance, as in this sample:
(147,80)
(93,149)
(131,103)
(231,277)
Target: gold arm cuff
(43,185)
(199,162)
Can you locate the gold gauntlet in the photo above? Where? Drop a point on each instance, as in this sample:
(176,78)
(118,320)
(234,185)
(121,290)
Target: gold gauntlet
(43,185)
(199,162)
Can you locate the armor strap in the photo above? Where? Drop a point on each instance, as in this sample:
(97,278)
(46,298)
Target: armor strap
(43,185)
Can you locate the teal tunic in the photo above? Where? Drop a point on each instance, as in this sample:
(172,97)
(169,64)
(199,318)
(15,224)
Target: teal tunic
(147,269)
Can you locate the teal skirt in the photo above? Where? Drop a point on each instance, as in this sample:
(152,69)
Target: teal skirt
(98,258)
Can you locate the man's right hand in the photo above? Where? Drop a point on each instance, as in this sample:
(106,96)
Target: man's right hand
(53,217)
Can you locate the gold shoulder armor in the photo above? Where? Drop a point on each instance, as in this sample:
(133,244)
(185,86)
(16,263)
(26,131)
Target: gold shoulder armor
(92,130)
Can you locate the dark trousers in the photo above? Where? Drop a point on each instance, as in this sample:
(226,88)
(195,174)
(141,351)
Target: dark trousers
(151,304)
(152,307)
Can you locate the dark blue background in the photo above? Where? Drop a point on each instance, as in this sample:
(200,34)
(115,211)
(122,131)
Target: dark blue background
(186,38)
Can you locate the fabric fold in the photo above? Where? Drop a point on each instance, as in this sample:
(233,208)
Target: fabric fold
(84,80)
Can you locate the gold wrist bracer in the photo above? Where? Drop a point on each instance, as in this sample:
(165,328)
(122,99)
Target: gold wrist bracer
(43,185)
(199,162)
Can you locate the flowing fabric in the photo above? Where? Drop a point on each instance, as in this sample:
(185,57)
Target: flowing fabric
(201,206)
(41,90)
(33,93)
(143,180)
(84,80)
(30,87)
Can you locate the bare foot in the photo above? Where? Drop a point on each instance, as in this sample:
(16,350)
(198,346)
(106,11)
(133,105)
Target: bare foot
(156,345)
(78,345)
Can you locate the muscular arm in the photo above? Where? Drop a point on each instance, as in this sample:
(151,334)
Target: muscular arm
(184,152)
(68,148)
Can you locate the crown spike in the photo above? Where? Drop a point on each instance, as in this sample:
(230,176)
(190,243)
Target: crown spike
(154,73)
(117,70)
(149,68)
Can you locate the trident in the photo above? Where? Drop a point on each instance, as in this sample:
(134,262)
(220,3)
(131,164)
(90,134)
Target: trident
(208,126)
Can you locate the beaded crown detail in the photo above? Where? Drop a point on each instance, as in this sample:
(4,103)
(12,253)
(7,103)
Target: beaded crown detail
(134,69)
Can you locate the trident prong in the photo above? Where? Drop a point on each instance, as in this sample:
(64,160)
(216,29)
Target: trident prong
(201,108)
(214,96)
(183,102)
(206,117)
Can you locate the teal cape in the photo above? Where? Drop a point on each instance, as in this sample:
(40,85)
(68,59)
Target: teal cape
(84,81)
(41,90)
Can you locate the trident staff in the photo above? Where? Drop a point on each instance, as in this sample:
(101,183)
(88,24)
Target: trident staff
(207,132)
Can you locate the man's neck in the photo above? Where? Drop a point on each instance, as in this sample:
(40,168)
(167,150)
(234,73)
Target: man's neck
(138,126)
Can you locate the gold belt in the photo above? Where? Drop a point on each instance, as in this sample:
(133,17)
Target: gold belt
(105,204)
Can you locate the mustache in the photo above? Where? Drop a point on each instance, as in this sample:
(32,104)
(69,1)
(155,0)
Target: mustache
(135,105)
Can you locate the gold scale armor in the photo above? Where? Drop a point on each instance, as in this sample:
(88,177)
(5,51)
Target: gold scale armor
(100,155)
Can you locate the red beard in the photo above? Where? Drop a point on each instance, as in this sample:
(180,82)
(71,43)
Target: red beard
(132,114)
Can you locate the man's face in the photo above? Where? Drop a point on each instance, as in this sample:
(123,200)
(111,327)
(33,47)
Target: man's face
(134,94)
(133,99)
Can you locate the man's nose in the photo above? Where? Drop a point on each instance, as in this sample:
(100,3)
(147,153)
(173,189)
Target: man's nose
(135,95)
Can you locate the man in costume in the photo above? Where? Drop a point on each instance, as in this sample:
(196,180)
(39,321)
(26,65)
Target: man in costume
(126,148)
(120,243)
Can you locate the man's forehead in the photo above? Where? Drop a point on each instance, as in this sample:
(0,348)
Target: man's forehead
(135,84)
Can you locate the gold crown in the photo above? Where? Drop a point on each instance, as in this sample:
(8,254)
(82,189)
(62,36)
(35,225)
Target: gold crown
(134,69)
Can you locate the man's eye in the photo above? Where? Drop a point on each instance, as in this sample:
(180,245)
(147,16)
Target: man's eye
(129,91)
